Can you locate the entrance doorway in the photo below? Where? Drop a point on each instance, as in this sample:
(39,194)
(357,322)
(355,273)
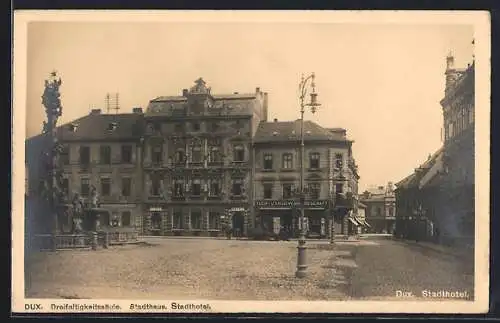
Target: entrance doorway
(156,223)
(238,223)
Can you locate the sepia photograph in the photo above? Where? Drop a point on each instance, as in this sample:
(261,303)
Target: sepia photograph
(251,161)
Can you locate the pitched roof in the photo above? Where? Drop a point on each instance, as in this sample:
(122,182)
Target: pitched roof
(97,126)
(282,131)
(425,172)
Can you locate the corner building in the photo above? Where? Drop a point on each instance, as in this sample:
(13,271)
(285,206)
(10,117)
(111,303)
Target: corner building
(197,161)
(330,177)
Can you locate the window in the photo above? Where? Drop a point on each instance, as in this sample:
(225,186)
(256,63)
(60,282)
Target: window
(105,155)
(214,154)
(287,161)
(339,161)
(268,161)
(196,154)
(179,127)
(156,221)
(196,219)
(127,154)
(287,191)
(196,187)
(237,187)
(155,186)
(85,186)
(105,186)
(339,188)
(156,154)
(177,221)
(391,212)
(84,155)
(196,126)
(213,220)
(214,187)
(126,215)
(268,190)
(179,156)
(239,153)
(379,211)
(64,155)
(179,187)
(126,186)
(314,190)
(65,186)
(314,160)
(214,126)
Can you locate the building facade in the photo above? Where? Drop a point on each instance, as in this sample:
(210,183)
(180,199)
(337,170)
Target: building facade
(442,206)
(99,151)
(197,161)
(380,205)
(329,172)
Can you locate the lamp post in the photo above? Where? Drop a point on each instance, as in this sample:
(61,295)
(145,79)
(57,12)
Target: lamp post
(313,105)
(53,110)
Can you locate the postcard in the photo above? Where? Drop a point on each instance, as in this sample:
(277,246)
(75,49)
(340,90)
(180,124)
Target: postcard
(250,162)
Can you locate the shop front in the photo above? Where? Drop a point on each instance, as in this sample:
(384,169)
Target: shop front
(276,215)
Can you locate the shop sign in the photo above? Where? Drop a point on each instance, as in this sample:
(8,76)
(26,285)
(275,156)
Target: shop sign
(311,204)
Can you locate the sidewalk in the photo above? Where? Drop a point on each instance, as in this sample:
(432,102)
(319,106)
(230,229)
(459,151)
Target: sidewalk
(464,252)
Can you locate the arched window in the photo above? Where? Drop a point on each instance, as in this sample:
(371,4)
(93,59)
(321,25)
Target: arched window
(239,153)
(196,154)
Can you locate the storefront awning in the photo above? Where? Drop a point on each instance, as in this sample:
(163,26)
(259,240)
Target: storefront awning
(353,221)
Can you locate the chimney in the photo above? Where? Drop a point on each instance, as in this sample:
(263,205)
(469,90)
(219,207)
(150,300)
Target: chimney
(137,110)
(275,120)
(95,111)
(264,107)
(184,92)
(257,90)
(235,93)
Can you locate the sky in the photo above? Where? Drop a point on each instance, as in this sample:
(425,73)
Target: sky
(381,82)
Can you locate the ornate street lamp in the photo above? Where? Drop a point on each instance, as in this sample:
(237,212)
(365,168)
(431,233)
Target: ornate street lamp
(53,109)
(313,105)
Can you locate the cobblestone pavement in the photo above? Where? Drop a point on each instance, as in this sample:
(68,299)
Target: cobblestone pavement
(241,270)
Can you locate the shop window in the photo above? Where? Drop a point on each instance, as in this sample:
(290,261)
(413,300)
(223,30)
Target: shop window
(126,215)
(214,220)
(196,219)
(177,220)
(156,221)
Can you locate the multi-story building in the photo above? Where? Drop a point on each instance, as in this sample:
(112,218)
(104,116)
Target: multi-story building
(197,161)
(330,176)
(380,205)
(100,151)
(443,188)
